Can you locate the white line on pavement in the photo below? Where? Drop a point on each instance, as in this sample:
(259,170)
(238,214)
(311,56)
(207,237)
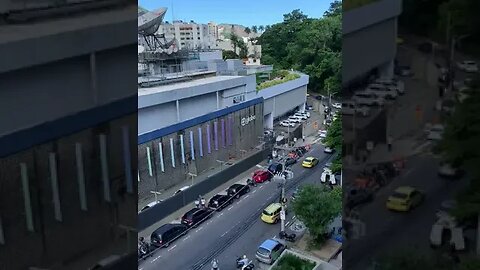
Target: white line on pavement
(156,258)
(246,196)
(230,208)
(199,229)
(221,214)
(259,208)
(254,191)
(170,249)
(224,234)
(184,239)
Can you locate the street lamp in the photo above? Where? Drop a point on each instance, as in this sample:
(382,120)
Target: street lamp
(193,176)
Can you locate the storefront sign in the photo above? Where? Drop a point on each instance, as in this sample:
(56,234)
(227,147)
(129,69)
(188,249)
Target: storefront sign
(238,99)
(246,120)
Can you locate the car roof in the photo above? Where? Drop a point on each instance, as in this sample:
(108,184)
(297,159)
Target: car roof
(183,188)
(167,227)
(217,196)
(405,189)
(269,244)
(272,207)
(236,185)
(310,158)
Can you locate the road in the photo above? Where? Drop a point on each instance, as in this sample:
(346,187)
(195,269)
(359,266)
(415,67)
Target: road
(388,231)
(234,231)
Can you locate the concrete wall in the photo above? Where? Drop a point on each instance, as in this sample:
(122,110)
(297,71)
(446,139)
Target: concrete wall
(243,137)
(369,38)
(84,229)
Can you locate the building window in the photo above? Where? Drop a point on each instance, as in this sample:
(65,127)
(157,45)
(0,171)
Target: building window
(183,43)
(198,37)
(182,38)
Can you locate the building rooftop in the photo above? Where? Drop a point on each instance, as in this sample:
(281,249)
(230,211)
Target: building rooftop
(182,85)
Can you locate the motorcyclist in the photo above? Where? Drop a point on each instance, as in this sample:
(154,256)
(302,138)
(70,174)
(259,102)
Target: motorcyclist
(214,264)
(143,245)
(243,261)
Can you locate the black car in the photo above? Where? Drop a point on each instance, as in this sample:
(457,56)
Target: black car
(166,234)
(275,168)
(238,190)
(196,216)
(358,196)
(218,202)
(290,161)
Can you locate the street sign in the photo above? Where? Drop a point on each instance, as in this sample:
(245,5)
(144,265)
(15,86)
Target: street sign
(282,215)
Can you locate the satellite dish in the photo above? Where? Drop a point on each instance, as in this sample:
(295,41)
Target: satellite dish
(149,22)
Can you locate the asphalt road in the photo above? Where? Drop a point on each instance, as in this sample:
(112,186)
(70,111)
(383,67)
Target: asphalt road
(234,231)
(389,232)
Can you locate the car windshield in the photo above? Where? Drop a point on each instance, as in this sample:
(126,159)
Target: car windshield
(263,251)
(399,195)
(265,212)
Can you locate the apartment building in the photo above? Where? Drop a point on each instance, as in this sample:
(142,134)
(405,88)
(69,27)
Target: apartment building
(190,35)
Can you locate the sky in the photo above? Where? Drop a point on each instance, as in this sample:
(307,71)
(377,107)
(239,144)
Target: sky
(245,12)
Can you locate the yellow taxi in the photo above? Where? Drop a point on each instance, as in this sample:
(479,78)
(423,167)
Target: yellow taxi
(271,214)
(404,198)
(310,162)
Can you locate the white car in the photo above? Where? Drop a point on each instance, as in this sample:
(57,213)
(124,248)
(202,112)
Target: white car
(295,119)
(393,84)
(328,150)
(446,170)
(322,133)
(337,105)
(382,90)
(301,116)
(304,113)
(368,98)
(349,108)
(468,66)
(286,123)
(436,132)
(463,94)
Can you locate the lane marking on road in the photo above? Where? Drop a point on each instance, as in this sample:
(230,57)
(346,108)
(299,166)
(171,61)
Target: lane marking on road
(261,186)
(246,196)
(156,258)
(224,233)
(230,208)
(254,191)
(259,208)
(184,239)
(199,229)
(170,249)
(221,214)
(408,172)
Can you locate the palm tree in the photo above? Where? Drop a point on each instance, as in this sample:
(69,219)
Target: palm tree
(247,30)
(261,28)
(254,29)
(267,27)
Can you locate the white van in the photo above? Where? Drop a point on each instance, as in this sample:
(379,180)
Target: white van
(180,190)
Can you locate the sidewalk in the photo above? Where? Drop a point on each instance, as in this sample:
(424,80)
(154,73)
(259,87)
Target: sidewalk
(167,193)
(176,216)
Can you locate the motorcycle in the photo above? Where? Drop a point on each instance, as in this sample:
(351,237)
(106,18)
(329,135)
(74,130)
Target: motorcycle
(144,251)
(251,182)
(242,266)
(288,237)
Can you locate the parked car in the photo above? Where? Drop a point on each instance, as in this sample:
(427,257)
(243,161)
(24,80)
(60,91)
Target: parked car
(287,123)
(166,234)
(238,190)
(290,161)
(295,119)
(307,114)
(310,162)
(392,84)
(301,116)
(337,105)
(322,133)
(382,91)
(404,198)
(350,108)
(261,176)
(275,168)
(436,132)
(269,251)
(357,196)
(468,66)
(368,98)
(328,150)
(219,201)
(195,216)
(446,170)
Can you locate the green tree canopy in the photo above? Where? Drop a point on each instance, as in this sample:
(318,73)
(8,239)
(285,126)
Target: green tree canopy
(247,30)
(317,206)
(334,140)
(309,45)
(229,55)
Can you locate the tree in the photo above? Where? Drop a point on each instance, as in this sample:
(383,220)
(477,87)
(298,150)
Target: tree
(317,206)
(261,28)
(229,55)
(267,27)
(309,45)
(334,140)
(247,30)
(235,41)
(254,28)
(335,9)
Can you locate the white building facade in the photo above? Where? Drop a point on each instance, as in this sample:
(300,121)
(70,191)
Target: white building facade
(190,35)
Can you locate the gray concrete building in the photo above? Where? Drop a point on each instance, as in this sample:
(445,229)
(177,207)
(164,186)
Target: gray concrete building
(66,136)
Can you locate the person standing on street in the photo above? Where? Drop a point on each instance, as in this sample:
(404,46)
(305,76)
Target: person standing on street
(389,143)
(203,202)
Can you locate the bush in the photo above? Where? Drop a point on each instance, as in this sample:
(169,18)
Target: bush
(292,262)
(287,77)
